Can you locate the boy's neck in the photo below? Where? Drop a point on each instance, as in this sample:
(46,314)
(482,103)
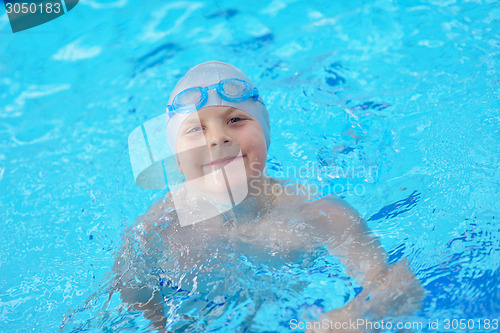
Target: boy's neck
(252,209)
(254,206)
(259,201)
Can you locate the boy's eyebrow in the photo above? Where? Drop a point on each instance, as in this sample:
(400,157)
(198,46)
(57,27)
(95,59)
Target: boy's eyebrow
(191,121)
(196,120)
(231,110)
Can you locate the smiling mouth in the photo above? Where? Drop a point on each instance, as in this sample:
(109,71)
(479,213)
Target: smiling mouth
(225,160)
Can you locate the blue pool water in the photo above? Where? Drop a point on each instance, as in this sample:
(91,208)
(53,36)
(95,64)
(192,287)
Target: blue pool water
(392,105)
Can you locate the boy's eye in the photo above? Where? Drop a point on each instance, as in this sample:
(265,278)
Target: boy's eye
(235,119)
(194,129)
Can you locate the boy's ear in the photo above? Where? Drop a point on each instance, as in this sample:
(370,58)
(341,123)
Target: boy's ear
(179,166)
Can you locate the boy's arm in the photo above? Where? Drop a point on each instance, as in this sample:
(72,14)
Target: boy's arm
(132,264)
(135,291)
(148,301)
(387,290)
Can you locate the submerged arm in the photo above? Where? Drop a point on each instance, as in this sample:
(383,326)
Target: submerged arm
(133,264)
(148,301)
(387,290)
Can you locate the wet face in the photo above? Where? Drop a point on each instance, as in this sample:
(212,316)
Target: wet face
(221,147)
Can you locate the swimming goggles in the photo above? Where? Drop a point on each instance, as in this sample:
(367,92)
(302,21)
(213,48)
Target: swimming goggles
(231,90)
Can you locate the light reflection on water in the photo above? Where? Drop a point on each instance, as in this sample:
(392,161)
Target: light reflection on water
(410,89)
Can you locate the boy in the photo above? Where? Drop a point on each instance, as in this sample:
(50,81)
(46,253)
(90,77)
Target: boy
(218,127)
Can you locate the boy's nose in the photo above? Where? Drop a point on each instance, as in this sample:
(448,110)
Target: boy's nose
(217,136)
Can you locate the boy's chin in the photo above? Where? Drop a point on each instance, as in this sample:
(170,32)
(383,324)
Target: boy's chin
(237,187)
(232,176)
(216,186)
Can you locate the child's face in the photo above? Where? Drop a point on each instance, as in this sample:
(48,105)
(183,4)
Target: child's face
(211,138)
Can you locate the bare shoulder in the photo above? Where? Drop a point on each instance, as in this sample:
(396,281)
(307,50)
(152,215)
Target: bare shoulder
(332,211)
(160,215)
(331,204)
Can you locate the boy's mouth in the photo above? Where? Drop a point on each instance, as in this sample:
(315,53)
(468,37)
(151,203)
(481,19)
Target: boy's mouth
(224,160)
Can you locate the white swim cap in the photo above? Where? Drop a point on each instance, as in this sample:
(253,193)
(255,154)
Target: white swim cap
(208,73)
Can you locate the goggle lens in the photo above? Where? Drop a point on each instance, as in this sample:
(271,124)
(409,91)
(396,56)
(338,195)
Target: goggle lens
(188,97)
(235,90)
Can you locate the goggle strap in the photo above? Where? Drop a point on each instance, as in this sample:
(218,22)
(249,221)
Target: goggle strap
(255,94)
(170,111)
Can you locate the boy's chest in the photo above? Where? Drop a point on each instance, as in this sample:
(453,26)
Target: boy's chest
(285,233)
(281,233)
